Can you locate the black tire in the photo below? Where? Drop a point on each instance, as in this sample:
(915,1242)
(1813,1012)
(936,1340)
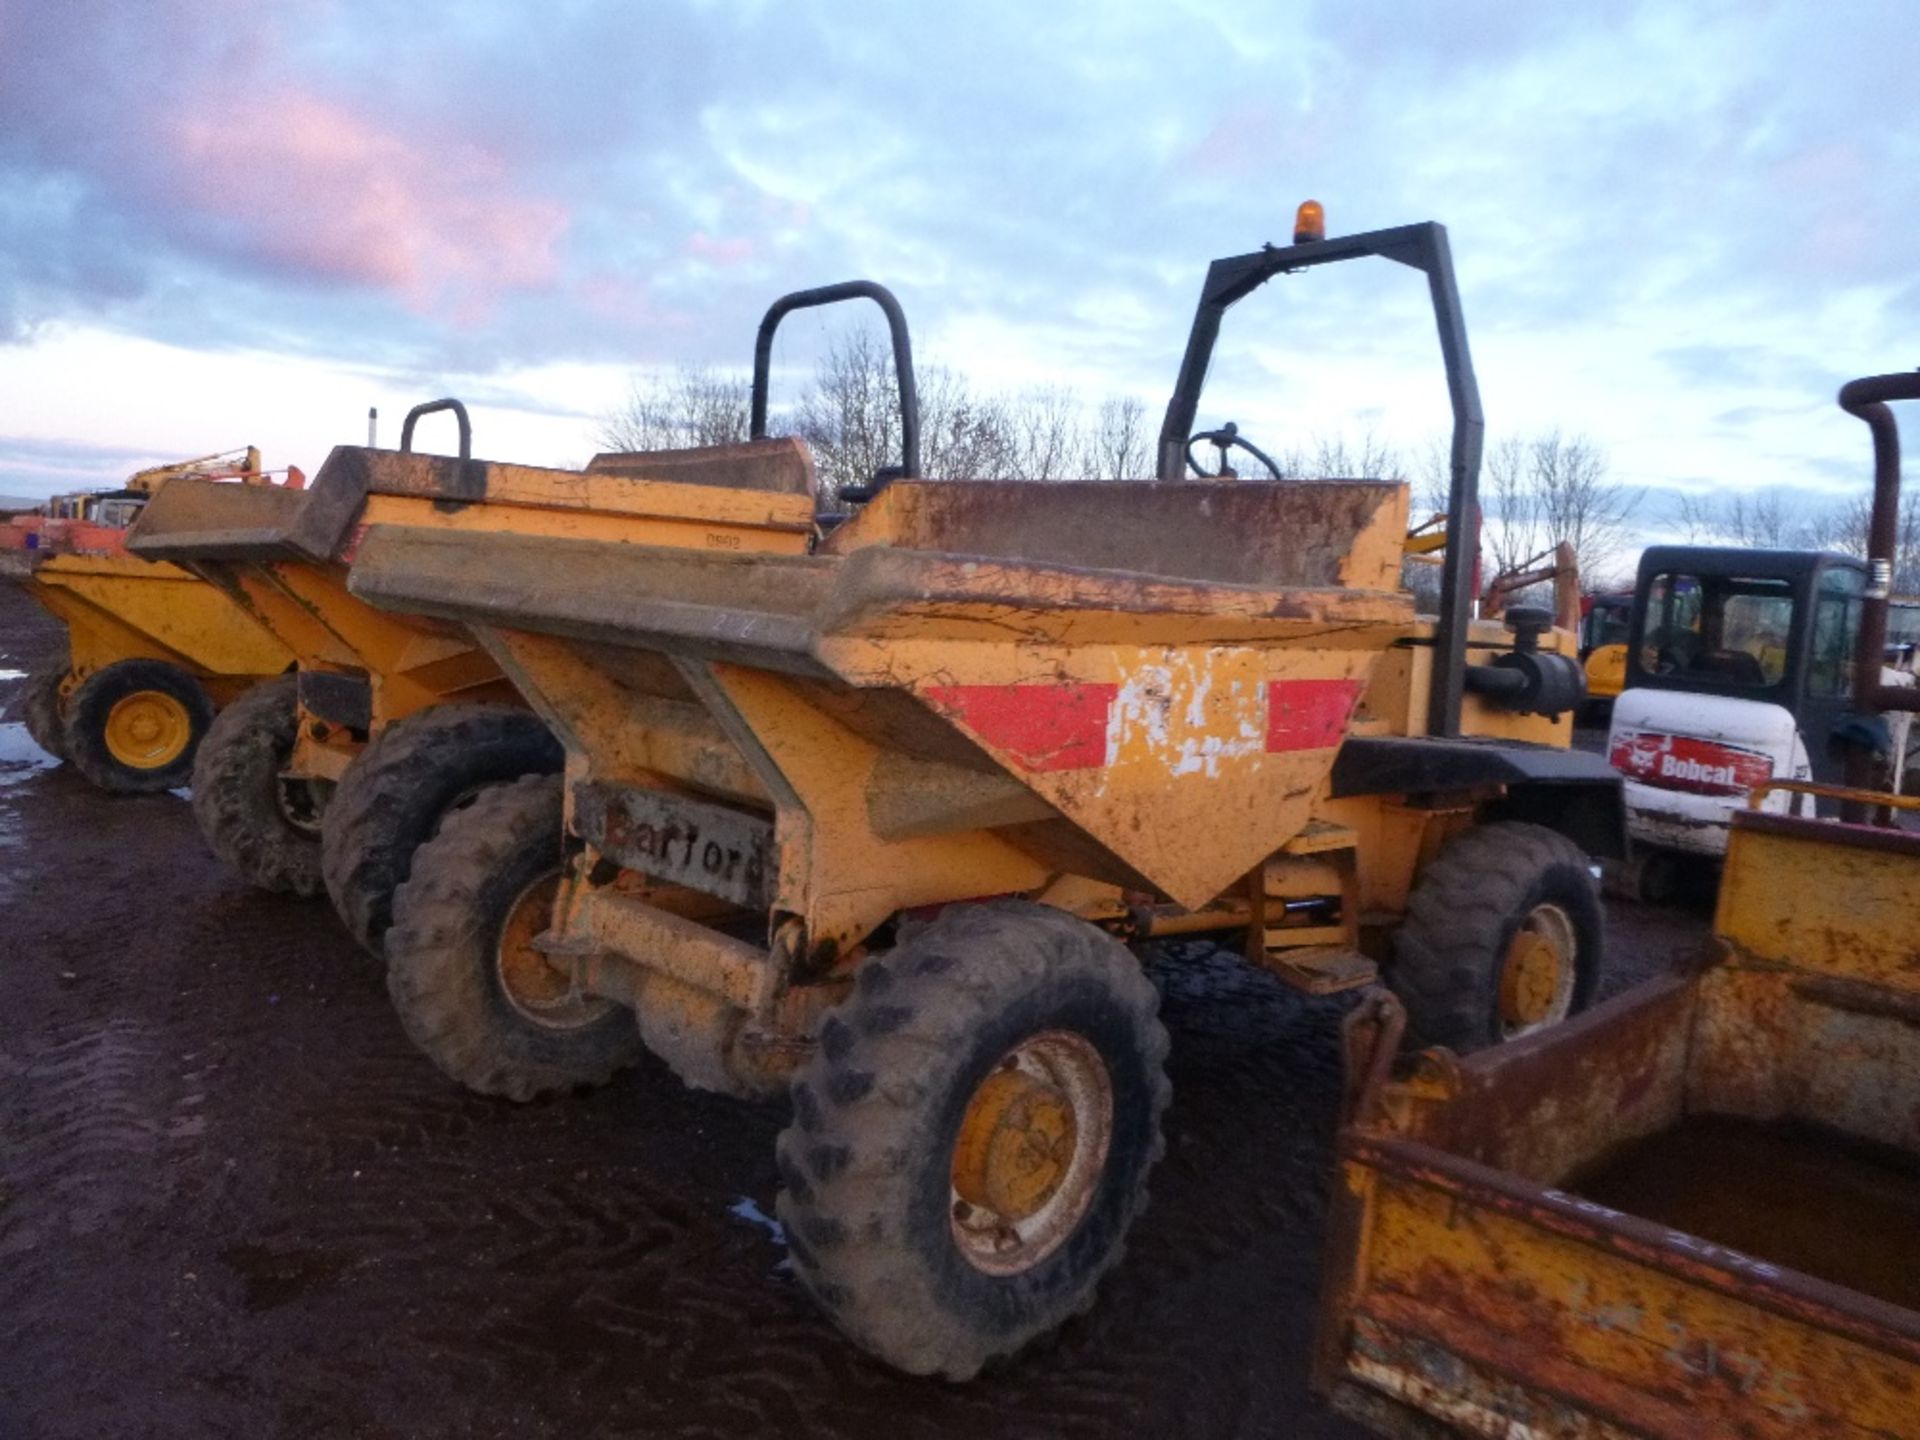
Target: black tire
(90,710)
(252,818)
(39,706)
(1450,954)
(397,791)
(443,963)
(866,1166)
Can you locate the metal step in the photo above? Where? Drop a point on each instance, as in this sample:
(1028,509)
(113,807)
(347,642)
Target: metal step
(1322,969)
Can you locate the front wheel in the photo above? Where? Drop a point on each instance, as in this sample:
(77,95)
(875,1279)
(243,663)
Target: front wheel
(133,727)
(253,816)
(972,1137)
(395,794)
(40,708)
(1503,937)
(472,989)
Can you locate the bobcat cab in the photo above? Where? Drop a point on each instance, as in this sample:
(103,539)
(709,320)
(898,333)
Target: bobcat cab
(1739,665)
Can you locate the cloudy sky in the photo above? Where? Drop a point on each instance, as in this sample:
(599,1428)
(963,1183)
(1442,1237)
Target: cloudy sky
(1679,225)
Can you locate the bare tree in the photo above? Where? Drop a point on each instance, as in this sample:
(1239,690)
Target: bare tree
(850,417)
(1696,519)
(1577,502)
(1844,526)
(692,405)
(1119,446)
(1044,429)
(1538,491)
(1334,455)
(1510,504)
(964,435)
(1764,520)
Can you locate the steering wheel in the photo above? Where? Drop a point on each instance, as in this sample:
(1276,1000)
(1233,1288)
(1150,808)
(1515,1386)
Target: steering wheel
(1227,437)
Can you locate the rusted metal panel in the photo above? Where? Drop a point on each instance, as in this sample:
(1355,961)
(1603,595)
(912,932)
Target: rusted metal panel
(1288,535)
(1538,1106)
(781,465)
(1625,1225)
(710,848)
(191,520)
(644,939)
(636,595)
(1821,896)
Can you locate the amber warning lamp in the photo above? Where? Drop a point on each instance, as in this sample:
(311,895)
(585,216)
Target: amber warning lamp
(1309,222)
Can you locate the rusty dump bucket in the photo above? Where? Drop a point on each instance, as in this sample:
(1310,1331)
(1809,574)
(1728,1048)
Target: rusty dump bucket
(284,554)
(116,607)
(968,688)
(1693,1212)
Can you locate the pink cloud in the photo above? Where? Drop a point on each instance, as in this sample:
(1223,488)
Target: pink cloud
(310,185)
(731,250)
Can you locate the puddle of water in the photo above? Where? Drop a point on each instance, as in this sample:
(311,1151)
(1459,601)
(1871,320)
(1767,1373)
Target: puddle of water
(17,749)
(745,1209)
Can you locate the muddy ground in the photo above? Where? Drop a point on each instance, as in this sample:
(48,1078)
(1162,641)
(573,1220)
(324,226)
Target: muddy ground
(235,1202)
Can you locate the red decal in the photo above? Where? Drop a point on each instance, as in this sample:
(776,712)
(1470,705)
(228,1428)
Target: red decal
(1308,714)
(1681,762)
(1040,727)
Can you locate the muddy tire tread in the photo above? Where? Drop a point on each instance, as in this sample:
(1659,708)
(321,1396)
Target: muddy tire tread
(438,958)
(39,705)
(234,797)
(397,790)
(1461,904)
(847,1161)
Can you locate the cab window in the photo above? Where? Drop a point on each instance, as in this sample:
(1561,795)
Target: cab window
(1836,633)
(1607,624)
(1731,630)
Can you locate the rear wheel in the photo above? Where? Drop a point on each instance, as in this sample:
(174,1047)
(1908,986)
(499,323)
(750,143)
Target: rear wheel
(39,706)
(133,727)
(1503,937)
(471,989)
(259,821)
(397,791)
(972,1137)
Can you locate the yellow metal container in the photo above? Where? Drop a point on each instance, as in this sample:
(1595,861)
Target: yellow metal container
(272,775)
(1691,1212)
(282,556)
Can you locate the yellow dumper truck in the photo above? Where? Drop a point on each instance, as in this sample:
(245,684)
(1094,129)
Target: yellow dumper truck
(1694,1211)
(152,651)
(334,774)
(878,822)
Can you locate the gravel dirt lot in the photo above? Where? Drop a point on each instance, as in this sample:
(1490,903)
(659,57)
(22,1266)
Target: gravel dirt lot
(235,1202)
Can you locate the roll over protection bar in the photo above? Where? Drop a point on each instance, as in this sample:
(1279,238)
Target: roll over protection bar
(1424,248)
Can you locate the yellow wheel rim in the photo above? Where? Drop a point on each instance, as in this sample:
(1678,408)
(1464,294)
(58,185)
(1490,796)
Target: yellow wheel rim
(148,730)
(1030,1152)
(541,993)
(1536,983)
